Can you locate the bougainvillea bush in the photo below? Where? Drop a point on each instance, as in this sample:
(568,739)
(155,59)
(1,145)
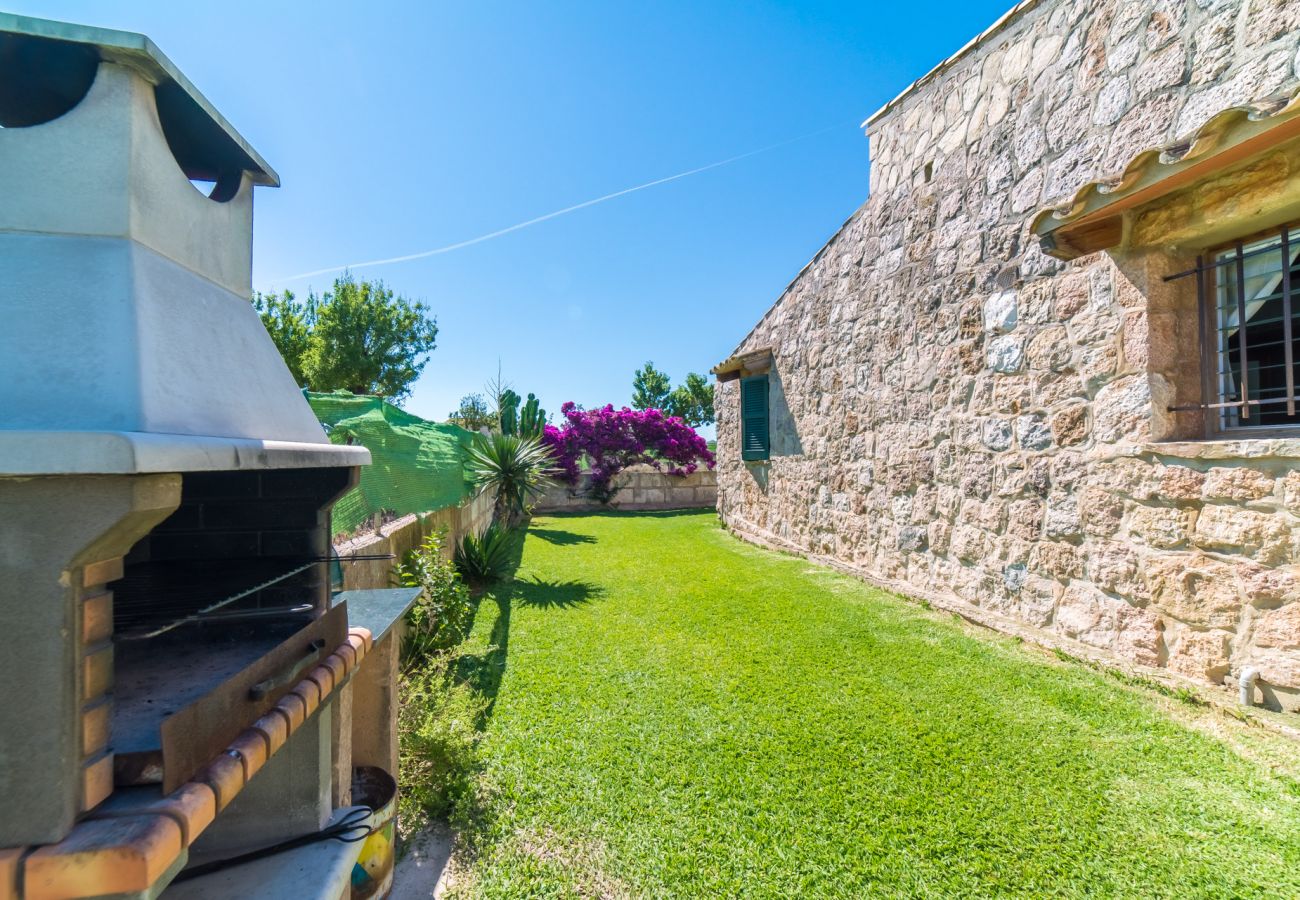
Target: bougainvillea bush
(613,439)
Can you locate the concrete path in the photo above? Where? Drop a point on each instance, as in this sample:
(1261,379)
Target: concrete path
(421,873)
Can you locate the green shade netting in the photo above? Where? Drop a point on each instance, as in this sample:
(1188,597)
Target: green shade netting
(417,466)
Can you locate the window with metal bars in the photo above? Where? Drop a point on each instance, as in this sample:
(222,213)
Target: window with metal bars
(1249,301)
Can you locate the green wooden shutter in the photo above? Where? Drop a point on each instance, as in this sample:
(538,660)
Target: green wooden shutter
(755,440)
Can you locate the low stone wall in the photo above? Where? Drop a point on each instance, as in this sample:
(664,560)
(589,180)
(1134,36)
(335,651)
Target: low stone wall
(405,534)
(639,488)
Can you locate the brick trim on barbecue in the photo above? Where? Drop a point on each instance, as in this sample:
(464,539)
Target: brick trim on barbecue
(128,851)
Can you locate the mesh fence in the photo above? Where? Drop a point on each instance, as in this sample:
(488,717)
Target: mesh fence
(417,466)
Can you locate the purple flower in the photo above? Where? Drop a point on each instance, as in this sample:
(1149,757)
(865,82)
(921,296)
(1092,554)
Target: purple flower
(612,440)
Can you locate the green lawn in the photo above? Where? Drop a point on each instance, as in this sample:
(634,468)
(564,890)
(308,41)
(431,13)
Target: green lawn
(678,714)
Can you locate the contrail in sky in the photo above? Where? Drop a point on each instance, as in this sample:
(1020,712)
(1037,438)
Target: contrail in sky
(438,251)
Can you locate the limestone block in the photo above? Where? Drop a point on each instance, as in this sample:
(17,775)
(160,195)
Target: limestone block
(912,538)
(1233,529)
(1094,325)
(1070,424)
(1194,588)
(1160,70)
(1281,669)
(1000,312)
(1113,567)
(1113,101)
(969,543)
(1062,518)
(1014,577)
(1267,20)
(1265,586)
(1162,526)
(1236,483)
(1005,354)
(1032,433)
(1200,654)
(996,434)
(1139,634)
(1050,349)
(1291,491)
(1122,409)
(1181,483)
(1025,519)
(940,536)
(1061,561)
(1037,601)
(1100,511)
(1098,364)
(1279,628)
(1086,614)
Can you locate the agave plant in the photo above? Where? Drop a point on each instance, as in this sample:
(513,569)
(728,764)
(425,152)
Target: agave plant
(486,556)
(515,469)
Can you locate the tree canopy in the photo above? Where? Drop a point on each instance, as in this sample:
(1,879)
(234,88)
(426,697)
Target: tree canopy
(473,413)
(691,401)
(650,388)
(360,336)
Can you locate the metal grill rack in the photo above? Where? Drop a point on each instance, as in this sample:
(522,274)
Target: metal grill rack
(154,598)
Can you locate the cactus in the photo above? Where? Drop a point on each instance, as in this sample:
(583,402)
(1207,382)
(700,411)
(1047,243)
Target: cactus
(532,418)
(509,412)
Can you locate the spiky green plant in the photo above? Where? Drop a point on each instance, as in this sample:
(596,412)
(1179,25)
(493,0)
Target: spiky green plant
(532,418)
(485,557)
(514,469)
(508,412)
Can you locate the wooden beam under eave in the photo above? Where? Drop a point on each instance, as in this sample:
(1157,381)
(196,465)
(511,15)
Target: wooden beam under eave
(1082,238)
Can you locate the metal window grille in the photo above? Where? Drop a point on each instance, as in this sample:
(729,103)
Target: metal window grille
(1247,298)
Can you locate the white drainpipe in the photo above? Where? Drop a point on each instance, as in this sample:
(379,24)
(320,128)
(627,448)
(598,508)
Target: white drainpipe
(1246,684)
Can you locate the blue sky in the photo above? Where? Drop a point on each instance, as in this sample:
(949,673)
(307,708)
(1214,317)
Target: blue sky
(401,127)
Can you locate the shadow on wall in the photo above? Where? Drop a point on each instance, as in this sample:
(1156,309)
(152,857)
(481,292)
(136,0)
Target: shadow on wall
(781,424)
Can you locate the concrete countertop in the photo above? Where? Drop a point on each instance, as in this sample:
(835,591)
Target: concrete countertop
(377,610)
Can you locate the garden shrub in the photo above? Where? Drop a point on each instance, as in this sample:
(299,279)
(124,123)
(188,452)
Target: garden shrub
(441,617)
(439,740)
(613,439)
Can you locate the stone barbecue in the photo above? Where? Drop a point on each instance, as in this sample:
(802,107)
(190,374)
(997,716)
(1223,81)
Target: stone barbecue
(179,678)
(1017,380)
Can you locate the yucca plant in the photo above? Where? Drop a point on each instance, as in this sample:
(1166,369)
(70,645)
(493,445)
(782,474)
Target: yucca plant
(485,556)
(515,469)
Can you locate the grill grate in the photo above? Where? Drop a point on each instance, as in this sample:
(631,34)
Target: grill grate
(154,598)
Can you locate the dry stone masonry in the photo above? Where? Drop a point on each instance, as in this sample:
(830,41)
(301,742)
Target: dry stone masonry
(954,411)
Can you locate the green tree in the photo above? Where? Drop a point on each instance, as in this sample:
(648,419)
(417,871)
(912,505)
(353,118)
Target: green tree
(473,413)
(361,337)
(286,320)
(650,388)
(692,401)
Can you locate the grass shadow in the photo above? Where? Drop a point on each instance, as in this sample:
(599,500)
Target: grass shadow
(540,594)
(482,672)
(561,538)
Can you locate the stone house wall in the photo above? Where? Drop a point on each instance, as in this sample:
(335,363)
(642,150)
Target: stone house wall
(956,413)
(638,488)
